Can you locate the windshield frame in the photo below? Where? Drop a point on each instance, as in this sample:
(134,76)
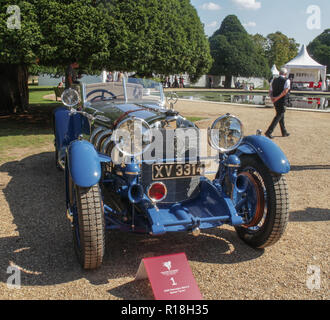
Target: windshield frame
(147,84)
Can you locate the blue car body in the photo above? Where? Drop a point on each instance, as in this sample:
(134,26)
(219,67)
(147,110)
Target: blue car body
(82,141)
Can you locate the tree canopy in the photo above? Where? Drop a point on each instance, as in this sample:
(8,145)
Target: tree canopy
(319,48)
(164,37)
(135,35)
(235,53)
(145,36)
(19,45)
(277,48)
(281,49)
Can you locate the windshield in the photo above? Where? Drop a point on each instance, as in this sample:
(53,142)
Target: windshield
(129,90)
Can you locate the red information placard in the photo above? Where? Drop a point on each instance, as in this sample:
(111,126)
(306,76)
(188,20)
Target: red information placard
(170,277)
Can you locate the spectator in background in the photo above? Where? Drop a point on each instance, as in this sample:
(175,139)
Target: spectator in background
(176,82)
(71,74)
(61,84)
(120,76)
(210,82)
(181,82)
(109,77)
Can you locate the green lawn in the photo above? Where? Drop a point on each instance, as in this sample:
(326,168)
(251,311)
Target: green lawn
(194,119)
(31,130)
(36,95)
(34,129)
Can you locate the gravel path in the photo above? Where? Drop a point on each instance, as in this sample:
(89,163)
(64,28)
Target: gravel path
(35,235)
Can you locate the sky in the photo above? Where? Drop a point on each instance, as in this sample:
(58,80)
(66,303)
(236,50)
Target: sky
(302,20)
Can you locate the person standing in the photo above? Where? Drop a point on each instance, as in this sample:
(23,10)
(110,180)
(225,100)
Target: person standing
(70,74)
(109,77)
(176,82)
(181,81)
(210,82)
(279,94)
(120,76)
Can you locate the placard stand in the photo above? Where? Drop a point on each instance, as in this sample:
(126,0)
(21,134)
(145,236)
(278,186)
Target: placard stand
(170,277)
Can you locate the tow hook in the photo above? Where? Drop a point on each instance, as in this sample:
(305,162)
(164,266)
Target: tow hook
(69,216)
(196,232)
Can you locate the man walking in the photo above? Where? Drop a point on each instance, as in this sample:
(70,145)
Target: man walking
(279,94)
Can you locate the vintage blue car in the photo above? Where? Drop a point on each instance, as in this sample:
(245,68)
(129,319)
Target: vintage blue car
(133,163)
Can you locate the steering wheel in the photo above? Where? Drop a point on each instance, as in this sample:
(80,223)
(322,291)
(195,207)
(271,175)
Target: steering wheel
(172,98)
(101,96)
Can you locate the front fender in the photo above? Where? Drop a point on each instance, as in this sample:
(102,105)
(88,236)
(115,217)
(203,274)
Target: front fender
(85,163)
(269,152)
(67,127)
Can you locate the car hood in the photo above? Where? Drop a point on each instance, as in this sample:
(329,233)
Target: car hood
(110,114)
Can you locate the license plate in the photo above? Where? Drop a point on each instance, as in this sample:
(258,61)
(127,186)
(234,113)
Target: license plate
(176,170)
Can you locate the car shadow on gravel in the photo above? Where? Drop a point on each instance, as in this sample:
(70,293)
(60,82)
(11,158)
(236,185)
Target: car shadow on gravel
(43,248)
(309,215)
(310,167)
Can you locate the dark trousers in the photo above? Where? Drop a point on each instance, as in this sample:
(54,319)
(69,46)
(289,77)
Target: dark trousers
(279,118)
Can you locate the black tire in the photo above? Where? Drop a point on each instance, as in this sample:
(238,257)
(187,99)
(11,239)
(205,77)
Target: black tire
(88,225)
(275,212)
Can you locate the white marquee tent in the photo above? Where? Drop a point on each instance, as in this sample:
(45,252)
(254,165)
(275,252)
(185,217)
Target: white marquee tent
(305,69)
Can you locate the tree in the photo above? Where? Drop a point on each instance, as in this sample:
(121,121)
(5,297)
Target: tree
(234,52)
(51,33)
(162,37)
(281,49)
(19,40)
(319,48)
(145,36)
(261,44)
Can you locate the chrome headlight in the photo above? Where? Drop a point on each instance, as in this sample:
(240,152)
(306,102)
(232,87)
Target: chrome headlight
(226,133)
(132,136)
(70,98)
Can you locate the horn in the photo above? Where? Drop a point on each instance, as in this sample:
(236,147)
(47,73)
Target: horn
(242,183)
(135,193)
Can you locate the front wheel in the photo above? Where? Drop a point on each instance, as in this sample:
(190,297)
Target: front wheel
(88,224)
(267,204)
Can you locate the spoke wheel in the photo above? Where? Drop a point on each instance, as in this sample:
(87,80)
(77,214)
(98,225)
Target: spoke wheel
(255,208)
(269,203)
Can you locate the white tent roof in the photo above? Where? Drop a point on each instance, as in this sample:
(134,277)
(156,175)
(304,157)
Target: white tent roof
(274,70)
(303,60)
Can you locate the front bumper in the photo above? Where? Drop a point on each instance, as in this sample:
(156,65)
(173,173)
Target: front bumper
(208,210)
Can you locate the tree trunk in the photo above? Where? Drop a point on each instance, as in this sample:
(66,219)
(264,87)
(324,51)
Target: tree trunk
(228,82)
(14,90)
